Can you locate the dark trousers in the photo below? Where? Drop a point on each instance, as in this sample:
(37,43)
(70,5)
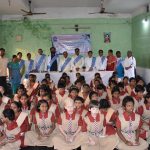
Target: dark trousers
(3,82)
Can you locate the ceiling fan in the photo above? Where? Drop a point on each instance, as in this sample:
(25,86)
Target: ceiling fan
(30,13)
(102,9)
(76,27)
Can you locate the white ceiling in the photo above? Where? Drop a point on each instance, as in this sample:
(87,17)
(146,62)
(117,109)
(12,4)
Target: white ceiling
(117,6)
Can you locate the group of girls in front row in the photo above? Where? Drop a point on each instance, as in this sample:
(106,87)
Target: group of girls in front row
(103,119)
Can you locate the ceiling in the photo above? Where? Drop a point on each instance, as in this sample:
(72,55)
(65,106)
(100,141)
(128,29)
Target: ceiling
(117,6)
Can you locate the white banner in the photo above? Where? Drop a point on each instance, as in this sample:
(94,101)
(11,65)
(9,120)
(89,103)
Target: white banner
(69,42)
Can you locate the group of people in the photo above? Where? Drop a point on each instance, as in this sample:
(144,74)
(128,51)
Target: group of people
(19,68)
(74,115)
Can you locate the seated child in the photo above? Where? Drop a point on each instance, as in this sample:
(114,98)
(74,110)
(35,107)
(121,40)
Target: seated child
(128,128)
(44,121)
(94,126)
(144,112)
(79,106)
(11,135)
(69,124)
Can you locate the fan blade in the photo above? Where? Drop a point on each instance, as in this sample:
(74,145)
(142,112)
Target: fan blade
(24,10)
(38,13)
(94,13)
(109,13)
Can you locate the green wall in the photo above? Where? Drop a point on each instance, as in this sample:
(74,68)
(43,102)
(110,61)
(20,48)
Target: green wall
(36,34)
(141,40)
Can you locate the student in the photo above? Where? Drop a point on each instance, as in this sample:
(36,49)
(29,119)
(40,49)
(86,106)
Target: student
(110,118)
(93,96)
(5,99)
(61,95)
(115,101)
(21,90)
(93,125)
(44,121)
(112,83)
(96,76)
(51,83)
(125,81)
(144,112)
(139,98)
(69,124)
(85,94)
(32,86)
(73,92)
(11,135)
(128,128)
(96,83)
(79,106)
(101,90)
(3,105)
(131,86)
(43,90)
(52,106)
(68,83)
(78,84)
(20,117)
(123,92)
(26,105)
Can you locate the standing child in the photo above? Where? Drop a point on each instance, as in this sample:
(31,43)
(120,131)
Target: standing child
(144,112)
(128,128)
(11,136)
(69,124)
(44,126)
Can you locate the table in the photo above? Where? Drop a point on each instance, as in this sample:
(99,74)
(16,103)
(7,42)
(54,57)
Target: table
(55,76)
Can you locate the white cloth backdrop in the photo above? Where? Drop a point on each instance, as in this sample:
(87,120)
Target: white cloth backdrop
(55,76)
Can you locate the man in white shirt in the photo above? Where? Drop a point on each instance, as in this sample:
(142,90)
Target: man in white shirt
(77,61)
(29,64)
(129,65)
(64,63)
(39,62)
(52,60)
(3,68)
(101,61)
(90,61)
